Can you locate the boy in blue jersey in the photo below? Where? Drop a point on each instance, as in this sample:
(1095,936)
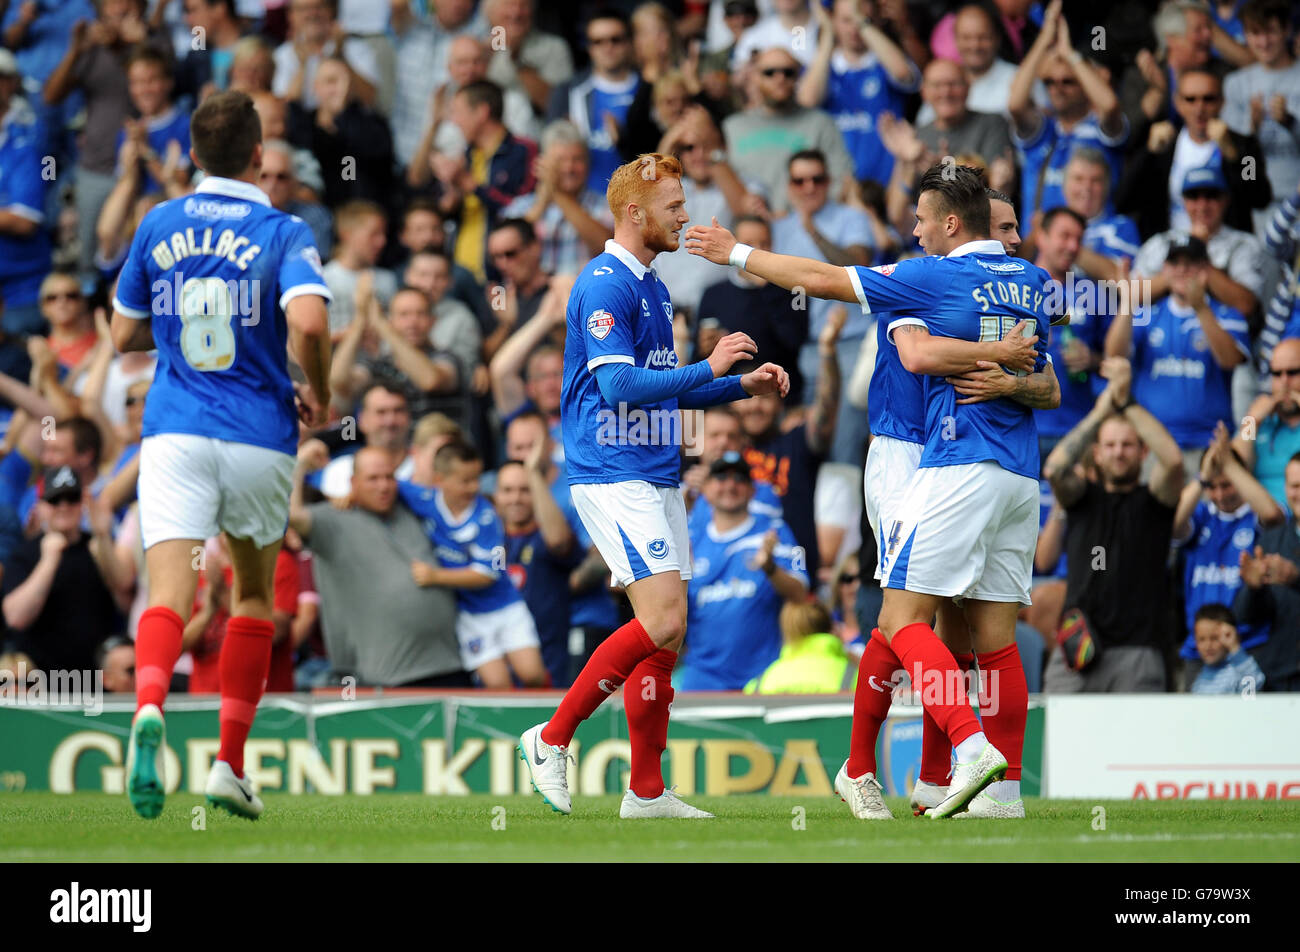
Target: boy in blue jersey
(222,286)
(160,123)
(493,625)
(980,459)
(622,388)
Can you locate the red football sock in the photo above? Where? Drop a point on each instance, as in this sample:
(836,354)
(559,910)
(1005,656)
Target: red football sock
(646,697)
(610,665)
(244,664)
(1004,704)
(871,702)
(936,752)
(934,671)
(157,646)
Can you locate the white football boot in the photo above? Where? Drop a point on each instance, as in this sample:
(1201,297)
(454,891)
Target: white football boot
(547,768)
(985,807)
(146,776)
(926,796)
(969,779)
(666,805)
(236,796)
(864,795)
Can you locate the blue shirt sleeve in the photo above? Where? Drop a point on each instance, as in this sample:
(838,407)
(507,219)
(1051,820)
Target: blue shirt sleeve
(721,390)
(788,555)
(300,266)
(23,187)
(487,550)
(605,314)
(906,288)
(621,382)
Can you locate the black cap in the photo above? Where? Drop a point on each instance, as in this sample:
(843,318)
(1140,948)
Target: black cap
(1187,248)
(731,463)
(63,483)
(733,7)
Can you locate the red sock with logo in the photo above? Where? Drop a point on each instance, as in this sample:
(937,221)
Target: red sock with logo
(1004,704)
(646,699)
(936,752)
(610,664)
(871,700)
(244,664)
(157,646)
(927,660)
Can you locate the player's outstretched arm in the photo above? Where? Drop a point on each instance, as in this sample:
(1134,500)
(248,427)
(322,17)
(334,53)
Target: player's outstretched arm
(131,333)
(817,278)
(625,383)
(309,342)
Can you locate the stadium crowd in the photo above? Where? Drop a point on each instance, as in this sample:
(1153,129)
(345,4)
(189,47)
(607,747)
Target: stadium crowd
(451,159)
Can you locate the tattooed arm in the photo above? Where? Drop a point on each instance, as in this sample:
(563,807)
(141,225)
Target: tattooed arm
(1038,391)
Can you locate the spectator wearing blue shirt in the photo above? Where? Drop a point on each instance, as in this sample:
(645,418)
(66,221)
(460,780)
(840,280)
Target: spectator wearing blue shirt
(1084,111)
(497,635)
(720,434)
(541,552)
(1109,240)
(1228,669)
(1215,531)
(24,244)
(819,228)
(858,73)
(1184,348)
(161,130)
(744,570)
(1270,431)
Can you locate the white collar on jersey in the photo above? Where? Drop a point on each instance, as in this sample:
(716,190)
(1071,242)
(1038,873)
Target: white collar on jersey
(233,188)
(981,246)
(638,270)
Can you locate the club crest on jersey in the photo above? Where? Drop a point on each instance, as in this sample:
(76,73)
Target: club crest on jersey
(668,311)
(600,323)
(657,548)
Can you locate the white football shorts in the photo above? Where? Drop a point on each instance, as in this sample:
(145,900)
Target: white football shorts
(891,465)
(192,487)
(486,636)
(639,529)
(964,531)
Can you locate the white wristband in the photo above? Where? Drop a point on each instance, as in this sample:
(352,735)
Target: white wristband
(739,255)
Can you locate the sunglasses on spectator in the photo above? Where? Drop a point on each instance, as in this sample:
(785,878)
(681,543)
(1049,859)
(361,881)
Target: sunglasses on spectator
(1208,98)
(61,295)
(618,40)
(789,72)
(1285,372)
(848,579)
(1198,194)
(1064,81)
(801,181)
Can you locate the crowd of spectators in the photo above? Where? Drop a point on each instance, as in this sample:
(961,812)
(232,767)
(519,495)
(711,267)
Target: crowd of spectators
(451,158)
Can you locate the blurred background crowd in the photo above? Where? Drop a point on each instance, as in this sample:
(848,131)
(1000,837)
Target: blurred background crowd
(451,158)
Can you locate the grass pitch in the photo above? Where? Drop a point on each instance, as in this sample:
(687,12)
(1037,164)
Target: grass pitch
(88,827)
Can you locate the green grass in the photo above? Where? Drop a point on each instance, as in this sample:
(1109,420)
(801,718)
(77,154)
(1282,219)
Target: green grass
(89,827)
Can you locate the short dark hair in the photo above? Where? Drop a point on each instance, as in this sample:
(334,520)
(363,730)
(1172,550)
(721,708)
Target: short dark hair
(407,289)
(993,194)
(388,387)
(522,227)
(1255,14)
(484,92)
(807,155)
(1199,71)
(1052,214)
(541,350)
(751,220)
(608,13)
(1295,458)
(1214,611)
(85,437)
(959,190)
(148,54)
(225,131)
(456,451)
(535,415)
(422,203)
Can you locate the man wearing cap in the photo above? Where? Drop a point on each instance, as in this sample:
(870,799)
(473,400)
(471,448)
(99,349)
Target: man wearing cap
(58,600)
(1184,348)
(744,568)
(24,244)
(1238,272)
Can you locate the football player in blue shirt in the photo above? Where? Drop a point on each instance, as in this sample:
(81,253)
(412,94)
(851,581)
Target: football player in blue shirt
(1184,349)
(744,568)
(493,625)
(980,459)
(220,284)
(622,439)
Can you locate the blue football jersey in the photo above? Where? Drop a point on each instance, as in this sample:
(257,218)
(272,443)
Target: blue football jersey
(619,312)
(474,539)
(24,262)
(976,293)
(1174,374)
(855,96)
(732,627)
(1212,566)
(1044,155)
(1089,321)
(766,504)
(1115,236)
(214,271)
(895,396)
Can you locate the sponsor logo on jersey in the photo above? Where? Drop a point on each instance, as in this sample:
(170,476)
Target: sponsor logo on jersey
(312,257)
(1228,576)
(602,271)
(212,208)
(609,687)
(645,308)
(727,590)
(663,357)
(1178,367)
(885,270)
(657,548)
(599,324)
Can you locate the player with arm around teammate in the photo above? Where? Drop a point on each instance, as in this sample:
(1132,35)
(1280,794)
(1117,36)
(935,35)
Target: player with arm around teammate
(242,283)
(960,531)
(622,388)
